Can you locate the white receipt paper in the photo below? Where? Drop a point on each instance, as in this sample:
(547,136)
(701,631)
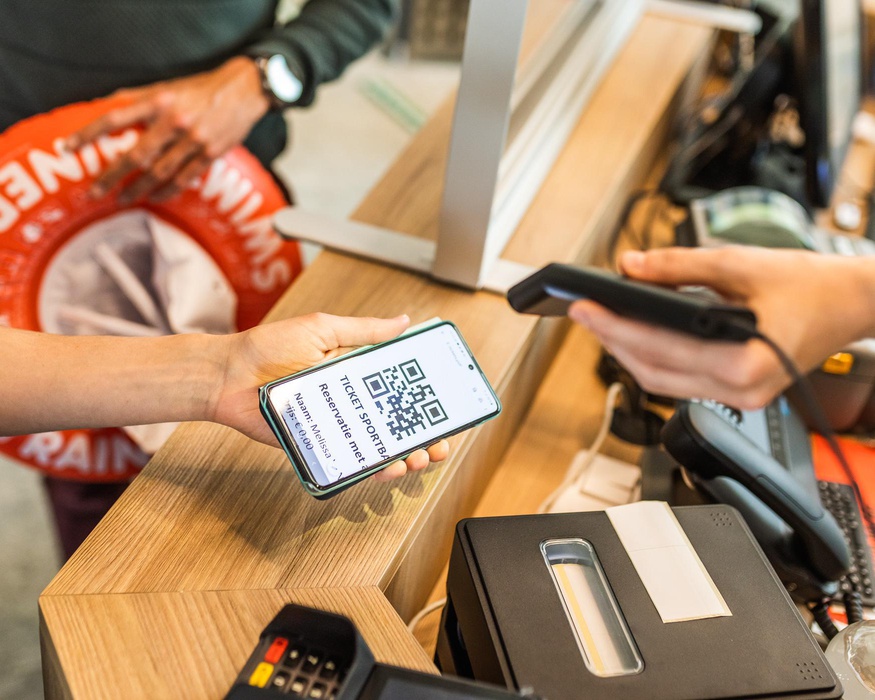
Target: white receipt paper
(671,571)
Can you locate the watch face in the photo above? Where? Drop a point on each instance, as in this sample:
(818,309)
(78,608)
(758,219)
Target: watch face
(283,83)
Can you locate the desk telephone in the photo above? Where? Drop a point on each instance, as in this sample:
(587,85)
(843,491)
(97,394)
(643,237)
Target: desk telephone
(760,462)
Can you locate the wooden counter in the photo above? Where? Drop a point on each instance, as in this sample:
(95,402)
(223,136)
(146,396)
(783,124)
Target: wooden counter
(166,598)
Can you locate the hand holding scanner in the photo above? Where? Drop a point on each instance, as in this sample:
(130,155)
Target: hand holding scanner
(702,441)
(551,290)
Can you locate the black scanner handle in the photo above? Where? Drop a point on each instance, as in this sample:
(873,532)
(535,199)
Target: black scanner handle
(551,290)
(703,442)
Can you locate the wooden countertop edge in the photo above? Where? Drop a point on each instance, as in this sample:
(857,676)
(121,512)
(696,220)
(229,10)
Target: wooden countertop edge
(210,634)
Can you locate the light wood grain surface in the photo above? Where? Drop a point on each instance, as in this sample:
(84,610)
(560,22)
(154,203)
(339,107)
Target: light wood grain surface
(193,644)
(215,514)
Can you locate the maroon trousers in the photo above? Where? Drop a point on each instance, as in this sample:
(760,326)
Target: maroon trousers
(77,507)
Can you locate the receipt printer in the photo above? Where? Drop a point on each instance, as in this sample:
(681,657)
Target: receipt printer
(594,605)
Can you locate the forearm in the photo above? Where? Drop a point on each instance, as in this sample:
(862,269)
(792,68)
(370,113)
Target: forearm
(54,382)
(326,37)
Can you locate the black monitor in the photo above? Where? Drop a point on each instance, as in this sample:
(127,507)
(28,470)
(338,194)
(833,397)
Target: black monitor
(818,61)
(828,58)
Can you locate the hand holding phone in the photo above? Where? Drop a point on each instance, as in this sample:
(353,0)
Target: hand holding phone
(341,421)
(551,290)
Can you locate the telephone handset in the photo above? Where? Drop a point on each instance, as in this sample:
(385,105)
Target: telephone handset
(804,542)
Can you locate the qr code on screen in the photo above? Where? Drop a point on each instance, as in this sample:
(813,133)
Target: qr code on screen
(404,399)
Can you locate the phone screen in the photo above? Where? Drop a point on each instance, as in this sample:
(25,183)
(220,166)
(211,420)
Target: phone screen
(372,407)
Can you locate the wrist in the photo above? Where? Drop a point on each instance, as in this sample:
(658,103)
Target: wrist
(192,376)
(245,71)
(863,277)
(281,83)
(215,353)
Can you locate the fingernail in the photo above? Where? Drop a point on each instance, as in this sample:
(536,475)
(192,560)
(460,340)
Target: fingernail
(405,317)
(632,261)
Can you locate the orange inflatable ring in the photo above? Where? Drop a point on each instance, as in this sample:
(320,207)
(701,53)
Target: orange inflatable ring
(44,205)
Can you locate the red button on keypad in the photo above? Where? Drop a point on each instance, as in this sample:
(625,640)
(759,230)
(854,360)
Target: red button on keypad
(276,650)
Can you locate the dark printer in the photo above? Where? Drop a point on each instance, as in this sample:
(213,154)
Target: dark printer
(554,603)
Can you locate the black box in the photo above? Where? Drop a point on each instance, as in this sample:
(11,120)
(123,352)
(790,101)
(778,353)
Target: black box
(505,623)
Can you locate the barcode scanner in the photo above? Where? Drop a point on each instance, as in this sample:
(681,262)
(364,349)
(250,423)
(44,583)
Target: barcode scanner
(552,289)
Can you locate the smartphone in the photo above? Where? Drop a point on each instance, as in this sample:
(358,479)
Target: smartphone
(551,290)
(343,420)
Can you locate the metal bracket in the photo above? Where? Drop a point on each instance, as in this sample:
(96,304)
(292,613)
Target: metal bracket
(508,129)
(384,245)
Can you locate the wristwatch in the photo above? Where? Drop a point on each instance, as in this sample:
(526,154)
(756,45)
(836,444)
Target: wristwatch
(280,84)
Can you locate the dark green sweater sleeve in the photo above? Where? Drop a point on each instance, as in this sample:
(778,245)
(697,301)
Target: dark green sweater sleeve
(325,38)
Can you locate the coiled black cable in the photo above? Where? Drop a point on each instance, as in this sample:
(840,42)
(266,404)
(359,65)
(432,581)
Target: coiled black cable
(853,606)
(820,611)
